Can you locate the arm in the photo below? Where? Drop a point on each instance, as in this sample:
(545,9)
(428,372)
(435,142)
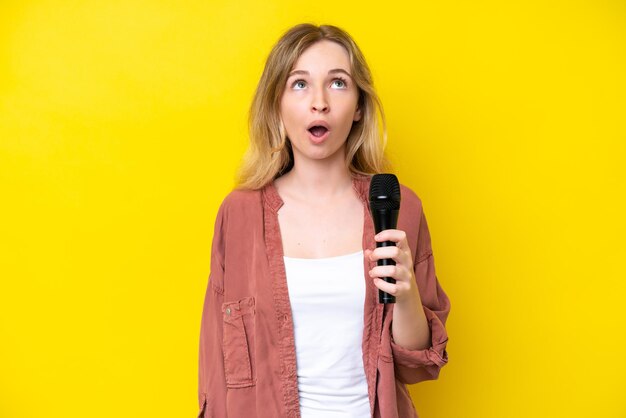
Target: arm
(418,334)
(211,380)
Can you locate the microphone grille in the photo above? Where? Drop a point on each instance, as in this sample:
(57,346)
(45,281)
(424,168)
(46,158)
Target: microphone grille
(384,192)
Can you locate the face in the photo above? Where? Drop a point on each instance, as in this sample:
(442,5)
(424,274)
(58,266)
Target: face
(319,103)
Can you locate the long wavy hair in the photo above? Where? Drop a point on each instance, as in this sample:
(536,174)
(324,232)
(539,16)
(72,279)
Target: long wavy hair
(269,154)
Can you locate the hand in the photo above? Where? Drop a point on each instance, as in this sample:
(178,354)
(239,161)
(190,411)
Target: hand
(405,289)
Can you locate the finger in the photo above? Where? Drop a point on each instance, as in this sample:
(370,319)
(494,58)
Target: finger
(390,288)
(384,271)
(397,272)
(395,253)
(395,235)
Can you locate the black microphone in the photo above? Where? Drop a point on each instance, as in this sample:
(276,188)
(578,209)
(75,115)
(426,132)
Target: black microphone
(385,206)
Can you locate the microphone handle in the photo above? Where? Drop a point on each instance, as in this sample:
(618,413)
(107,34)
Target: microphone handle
(384,297)
(385,219)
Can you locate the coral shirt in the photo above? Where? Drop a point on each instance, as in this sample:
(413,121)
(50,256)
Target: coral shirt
(247,363)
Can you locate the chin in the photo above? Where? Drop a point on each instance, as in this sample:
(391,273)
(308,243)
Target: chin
(323,154)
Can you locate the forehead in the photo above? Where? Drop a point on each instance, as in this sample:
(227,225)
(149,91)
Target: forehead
(323,55)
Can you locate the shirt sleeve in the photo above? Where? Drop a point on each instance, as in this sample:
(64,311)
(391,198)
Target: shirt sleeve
(413,366)
(211,379)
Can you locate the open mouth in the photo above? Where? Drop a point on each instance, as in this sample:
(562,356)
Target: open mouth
(318,131)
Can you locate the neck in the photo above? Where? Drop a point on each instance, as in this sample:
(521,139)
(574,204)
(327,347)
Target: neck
(319,179)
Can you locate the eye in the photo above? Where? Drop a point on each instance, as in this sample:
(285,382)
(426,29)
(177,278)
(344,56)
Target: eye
(298,84)
(339,83)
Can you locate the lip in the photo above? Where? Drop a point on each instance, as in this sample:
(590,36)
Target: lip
(318,139)
(318,123)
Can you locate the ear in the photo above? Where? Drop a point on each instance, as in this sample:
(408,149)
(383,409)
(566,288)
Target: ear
(357,115)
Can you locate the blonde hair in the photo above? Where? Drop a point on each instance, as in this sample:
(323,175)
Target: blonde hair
(269,154)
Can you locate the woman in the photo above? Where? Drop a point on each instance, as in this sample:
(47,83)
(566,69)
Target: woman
(291,324)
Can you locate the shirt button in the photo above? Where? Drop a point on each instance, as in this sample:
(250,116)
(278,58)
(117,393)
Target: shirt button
(227,311)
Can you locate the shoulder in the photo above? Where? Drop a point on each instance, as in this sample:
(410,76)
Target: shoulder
(410,201)
(239,202)
(238,207)
(241,196)
(411,220)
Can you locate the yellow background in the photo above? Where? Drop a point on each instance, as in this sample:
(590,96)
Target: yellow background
(121,126)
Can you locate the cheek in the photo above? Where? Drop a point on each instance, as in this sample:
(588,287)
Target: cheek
(291,113)
(289,123)
(287,118)
(284,111)
(349,104)
(349,112)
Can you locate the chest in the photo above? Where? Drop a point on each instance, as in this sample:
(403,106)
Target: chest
(318,231)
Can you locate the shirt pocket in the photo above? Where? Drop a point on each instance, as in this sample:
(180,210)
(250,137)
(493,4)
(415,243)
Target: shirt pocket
(238,343)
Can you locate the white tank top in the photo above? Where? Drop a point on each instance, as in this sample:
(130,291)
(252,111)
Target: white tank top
(327,299)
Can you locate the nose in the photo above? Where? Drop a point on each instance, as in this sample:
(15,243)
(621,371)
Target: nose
(319,102)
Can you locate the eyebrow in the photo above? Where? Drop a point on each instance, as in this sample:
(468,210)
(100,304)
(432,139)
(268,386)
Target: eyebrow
(333,71)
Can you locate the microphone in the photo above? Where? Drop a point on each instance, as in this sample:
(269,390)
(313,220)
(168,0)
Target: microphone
(385,206)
